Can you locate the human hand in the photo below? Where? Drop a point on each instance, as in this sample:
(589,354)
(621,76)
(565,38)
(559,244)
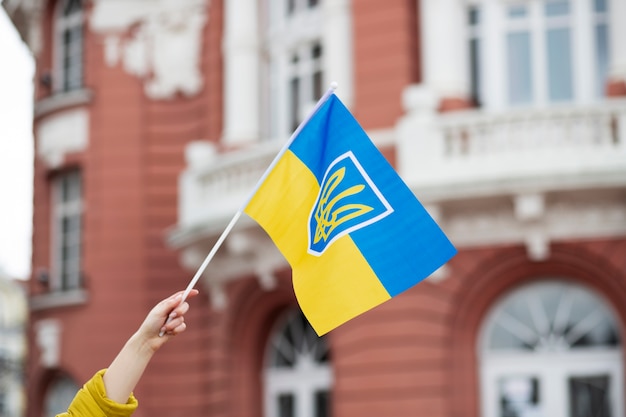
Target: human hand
(157,321)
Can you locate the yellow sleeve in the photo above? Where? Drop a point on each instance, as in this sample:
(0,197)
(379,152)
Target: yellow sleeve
(91,401)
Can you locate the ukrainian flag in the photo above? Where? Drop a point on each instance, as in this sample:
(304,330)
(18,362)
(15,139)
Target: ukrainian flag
(352,231)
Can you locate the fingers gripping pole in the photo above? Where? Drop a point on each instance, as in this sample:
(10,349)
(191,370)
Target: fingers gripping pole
(206,261)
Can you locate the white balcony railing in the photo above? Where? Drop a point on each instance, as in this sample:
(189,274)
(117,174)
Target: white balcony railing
(456,154)
(442,157)
(214,186)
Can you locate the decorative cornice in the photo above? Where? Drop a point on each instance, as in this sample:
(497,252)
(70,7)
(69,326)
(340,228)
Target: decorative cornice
(157,41)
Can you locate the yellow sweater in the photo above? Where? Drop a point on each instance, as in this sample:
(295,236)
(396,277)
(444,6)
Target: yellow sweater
(91,401)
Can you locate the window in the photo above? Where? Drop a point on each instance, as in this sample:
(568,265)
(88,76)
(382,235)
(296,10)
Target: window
(3,401)
(474,53)
(559,50)
(601,40)
(551,349)
(299,6)
(298,375)
(59,396)
(305,86)
(518,58)
(67,232)
(294,64)
(537,52)
(68,46)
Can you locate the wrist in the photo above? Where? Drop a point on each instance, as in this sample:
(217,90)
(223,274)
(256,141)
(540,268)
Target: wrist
(142,345)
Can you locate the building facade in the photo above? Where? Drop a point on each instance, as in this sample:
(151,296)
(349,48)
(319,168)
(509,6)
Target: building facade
(154,120)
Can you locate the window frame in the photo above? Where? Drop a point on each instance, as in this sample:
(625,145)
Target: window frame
(62,210)
(288,34)
(65,80)
(495,25)
(305,379)
(60,393)
(552,369)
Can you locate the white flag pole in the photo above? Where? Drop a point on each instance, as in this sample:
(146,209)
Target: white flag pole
(237,215)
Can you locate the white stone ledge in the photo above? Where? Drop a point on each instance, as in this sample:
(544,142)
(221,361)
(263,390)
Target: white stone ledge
(60,101)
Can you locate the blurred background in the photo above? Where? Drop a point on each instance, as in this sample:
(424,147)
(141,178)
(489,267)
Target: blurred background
(131,131)
(16,150)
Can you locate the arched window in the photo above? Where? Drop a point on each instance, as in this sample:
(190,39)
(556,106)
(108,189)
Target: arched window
(551,349)
(298,375)
(60,394)
(68,66)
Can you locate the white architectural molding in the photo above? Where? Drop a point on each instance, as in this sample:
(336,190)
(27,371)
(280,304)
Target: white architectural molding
(27,17)
(535,222)
(247,251)
(217,185)
(537,243)
(443,44)
(62,101)
(617,33)
(61,134)
(219,300)
(48,339)
(158,41)
(338,55)
(244,88)
(529,206)
(241,72)
(267,279)
(564,146)
(529,210)
(417,136)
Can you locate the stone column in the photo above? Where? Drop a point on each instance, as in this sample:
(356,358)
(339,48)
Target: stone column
(241,72)
(338,47)
(445,61)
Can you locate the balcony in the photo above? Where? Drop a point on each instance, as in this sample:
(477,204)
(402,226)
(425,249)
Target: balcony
(468,154)
(214,186)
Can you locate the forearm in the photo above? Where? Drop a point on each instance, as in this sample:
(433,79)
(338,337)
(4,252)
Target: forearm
(127,368)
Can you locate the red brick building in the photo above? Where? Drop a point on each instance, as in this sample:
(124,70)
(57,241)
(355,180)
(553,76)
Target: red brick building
(153,120)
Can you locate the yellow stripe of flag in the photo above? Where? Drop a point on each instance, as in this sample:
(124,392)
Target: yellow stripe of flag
(330,289)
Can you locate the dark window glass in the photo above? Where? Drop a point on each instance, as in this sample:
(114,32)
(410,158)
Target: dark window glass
(294,101)
(473,16)
(322,404)
(599,5)
(286,405)
(475,70)
(589,396)
(72,6)
(316,51)
(473,19)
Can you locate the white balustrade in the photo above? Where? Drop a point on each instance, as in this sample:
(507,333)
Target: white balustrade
(460,154)
(214,186)
(481,134)
(441,156)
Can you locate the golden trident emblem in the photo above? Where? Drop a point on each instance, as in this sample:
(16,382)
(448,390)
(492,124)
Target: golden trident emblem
(331,214)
